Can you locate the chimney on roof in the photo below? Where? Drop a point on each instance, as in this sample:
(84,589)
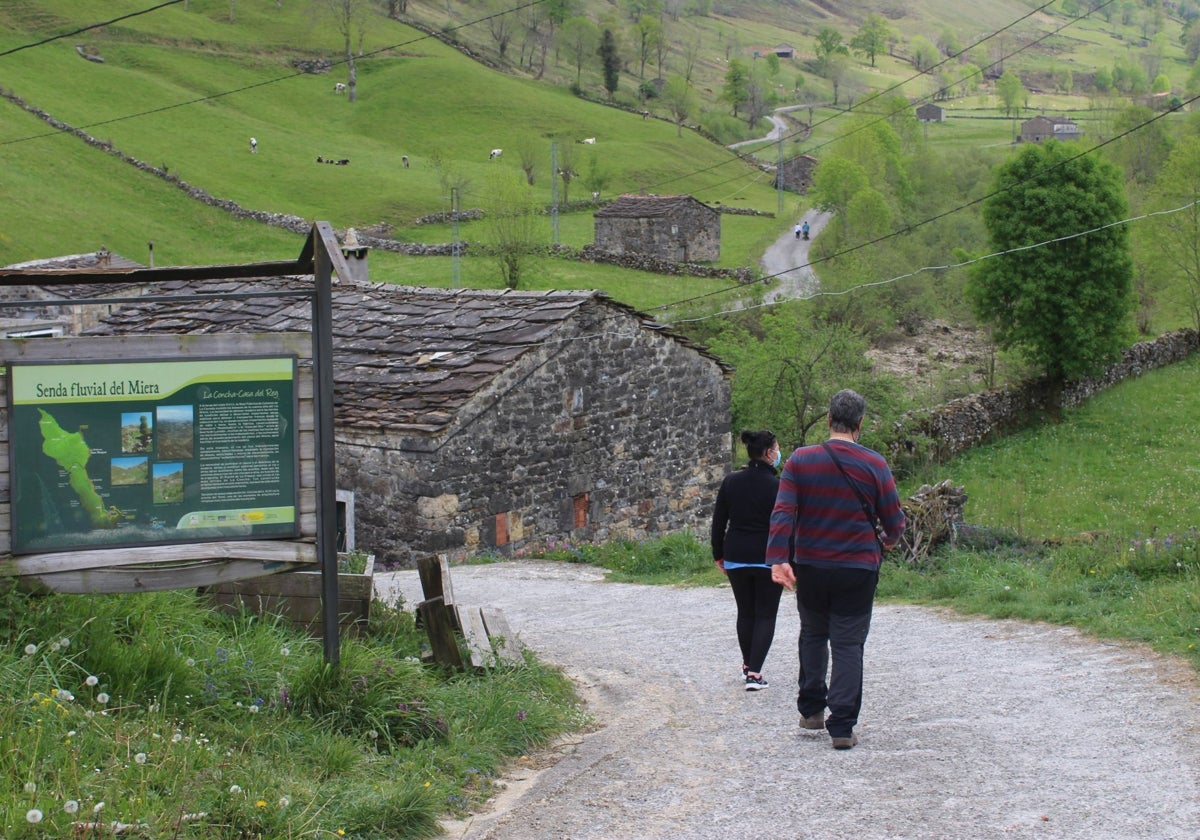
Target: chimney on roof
(103,257)
(355,254)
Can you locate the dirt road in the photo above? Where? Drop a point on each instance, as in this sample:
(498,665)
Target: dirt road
(970,729)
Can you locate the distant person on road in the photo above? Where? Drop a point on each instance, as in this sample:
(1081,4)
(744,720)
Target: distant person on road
(804,229)
(798,229)
(740,522)
(836,511)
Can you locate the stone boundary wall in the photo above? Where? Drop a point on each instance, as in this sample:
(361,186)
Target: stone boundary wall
(944,431)
(301,226)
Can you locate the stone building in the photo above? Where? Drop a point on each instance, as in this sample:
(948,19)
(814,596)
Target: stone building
(671,227)
(473,421)
(929,112)
(796,174)
(1043,128)
(40,320)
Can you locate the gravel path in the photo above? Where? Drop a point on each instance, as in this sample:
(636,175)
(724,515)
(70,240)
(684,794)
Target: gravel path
(970,728)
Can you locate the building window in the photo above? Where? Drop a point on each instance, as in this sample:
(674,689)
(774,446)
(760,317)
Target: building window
(581,510)
(502,528)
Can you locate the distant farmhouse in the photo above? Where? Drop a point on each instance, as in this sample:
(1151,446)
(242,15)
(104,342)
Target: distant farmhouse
(40,321)
(929,112)
(502,421)
(671,227)
(1042,128)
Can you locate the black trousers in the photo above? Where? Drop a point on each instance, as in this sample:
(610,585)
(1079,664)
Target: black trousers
(757,598)
(835,617)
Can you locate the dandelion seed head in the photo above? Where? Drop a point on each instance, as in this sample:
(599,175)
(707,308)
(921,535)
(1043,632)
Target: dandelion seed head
(92,680)
(191,663)
(285,652)
(102,698)
(65,642)
(33,815)
(235,789)
(99,806)
(31,787)
(284,802)
(71,806)
(140,758)
(30,649)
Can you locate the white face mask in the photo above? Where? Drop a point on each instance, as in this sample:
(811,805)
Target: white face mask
(778,458)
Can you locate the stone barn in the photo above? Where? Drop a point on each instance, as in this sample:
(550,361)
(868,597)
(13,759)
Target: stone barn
(1043,128)
(68,318)
(796,174)
(497,421)
(671,227)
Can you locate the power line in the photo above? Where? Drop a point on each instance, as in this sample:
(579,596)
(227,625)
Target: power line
(89,27)
(944,214)
(949,266)
(244,88)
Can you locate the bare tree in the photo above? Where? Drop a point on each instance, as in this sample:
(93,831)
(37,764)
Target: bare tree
(352,19)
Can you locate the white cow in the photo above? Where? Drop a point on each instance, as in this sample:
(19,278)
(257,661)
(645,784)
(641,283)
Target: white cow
(495,153)
(339,87)
(591,141)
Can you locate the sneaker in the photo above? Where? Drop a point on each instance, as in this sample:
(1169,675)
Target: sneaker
(845,743)
(816,721)
(755,682)
(745,671)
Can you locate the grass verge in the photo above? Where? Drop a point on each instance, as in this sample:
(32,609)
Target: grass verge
(152,716)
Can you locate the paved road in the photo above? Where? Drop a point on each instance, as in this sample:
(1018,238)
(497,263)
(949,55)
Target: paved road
(971,729)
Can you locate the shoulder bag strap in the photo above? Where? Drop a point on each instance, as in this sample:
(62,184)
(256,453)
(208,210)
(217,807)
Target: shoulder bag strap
(866,507)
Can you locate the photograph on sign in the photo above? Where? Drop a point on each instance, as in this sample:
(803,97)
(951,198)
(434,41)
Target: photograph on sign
(138,452)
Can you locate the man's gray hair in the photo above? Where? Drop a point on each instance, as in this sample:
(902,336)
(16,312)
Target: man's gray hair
(846,411)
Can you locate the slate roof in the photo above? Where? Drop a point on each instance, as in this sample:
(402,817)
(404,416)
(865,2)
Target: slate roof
(405,357)
(95,261)
(646,206)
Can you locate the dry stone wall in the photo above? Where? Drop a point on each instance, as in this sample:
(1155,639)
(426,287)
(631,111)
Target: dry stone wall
(940,433)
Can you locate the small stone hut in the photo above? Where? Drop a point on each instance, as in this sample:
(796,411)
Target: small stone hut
(671,227)
(472,421)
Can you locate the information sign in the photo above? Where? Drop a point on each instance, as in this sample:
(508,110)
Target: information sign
(106,454)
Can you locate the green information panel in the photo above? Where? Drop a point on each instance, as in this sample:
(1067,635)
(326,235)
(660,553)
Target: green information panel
(107,454)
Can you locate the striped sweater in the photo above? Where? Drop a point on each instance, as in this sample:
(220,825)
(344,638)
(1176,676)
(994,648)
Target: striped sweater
(832,530)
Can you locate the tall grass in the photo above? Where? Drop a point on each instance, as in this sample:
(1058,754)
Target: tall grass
(152,712)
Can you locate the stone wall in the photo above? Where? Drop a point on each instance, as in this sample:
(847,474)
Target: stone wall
(612,431)
(940,433)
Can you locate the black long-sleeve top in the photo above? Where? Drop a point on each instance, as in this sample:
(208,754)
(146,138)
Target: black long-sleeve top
(742,514)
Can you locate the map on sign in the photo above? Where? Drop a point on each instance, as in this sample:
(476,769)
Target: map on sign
(144,452)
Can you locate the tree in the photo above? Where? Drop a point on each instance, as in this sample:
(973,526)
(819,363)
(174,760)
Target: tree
(511,227)
(649,33)
(680,101)
(610,62)
(924,54)
(829,44)
(566,165)
(1010,92)
(501,24)
(351,18)
(597,176)
(737,84)
(528,152)
(872,38)
(1143,143)
(788,363)
(1066,306)
(579,39)
(1175,237)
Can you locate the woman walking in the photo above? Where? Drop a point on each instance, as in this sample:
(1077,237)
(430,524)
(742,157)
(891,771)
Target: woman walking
(740,523)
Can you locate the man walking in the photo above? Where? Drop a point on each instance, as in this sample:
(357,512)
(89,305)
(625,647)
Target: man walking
(837,508)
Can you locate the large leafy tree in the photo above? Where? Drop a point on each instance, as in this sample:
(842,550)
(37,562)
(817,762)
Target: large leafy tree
(1065,305)
(872,38)
(1174,237)
(1010,92)
(737,84)
(829,44)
